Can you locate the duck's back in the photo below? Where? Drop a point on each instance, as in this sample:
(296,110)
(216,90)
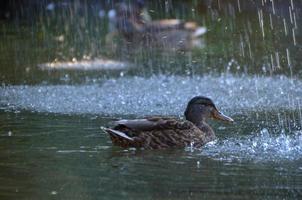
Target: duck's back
(157,133)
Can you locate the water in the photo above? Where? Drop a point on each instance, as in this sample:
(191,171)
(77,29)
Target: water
(67,156)
(156,95)
(52,146)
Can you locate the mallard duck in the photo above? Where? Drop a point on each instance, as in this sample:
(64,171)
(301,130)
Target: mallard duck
(165,132)
(134,24)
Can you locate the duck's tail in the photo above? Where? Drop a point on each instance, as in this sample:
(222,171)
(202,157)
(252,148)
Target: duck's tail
(116,133)
(199,31)
(196,30)
(120,138)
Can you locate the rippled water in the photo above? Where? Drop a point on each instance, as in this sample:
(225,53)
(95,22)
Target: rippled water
(68,156)
(51,137)
(157,95)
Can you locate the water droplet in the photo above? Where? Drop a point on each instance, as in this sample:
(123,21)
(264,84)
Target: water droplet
(198,164)
(10,133)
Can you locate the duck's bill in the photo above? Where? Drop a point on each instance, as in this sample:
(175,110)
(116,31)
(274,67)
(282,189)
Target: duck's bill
(222,117)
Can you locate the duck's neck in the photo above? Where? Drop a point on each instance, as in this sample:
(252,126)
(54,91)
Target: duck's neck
(205,128)
(197,114)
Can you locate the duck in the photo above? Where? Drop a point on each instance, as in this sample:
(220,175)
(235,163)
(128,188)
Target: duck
(133,23)
(169,132)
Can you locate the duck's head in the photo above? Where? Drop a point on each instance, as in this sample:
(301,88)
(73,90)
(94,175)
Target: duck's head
(200,108)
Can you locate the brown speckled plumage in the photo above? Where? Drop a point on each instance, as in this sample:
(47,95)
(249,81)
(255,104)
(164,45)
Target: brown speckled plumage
(163,132)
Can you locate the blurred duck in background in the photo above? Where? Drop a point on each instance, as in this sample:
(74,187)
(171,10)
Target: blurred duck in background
(133,23)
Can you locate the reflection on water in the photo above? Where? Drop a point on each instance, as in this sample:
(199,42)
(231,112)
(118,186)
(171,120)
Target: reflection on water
(68,157)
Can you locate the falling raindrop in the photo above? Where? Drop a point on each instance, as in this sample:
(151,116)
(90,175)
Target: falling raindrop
(288,58)
(295,21)
(273,6)
(238,3)
(250,50)
(241,46)
(271,21)
(272,62)
(285,26)
(10,133)
(294,37)
(292,4)
(261,23)
(300,112)
(290,15)
(277,60)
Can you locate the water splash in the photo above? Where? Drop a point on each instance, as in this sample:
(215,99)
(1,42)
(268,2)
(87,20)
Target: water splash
(261,146)
(155,95)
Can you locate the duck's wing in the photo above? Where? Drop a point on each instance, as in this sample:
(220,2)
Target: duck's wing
(136,124)
(154,123)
